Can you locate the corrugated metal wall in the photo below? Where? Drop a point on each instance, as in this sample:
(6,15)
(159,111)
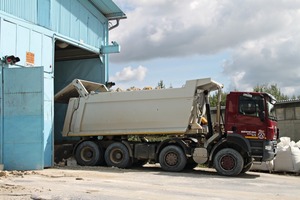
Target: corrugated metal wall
(76,19)
(72,19)
(20,8)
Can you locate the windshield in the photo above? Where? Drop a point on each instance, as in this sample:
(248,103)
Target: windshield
(271,111)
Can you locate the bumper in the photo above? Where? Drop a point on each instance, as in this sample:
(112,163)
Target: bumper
(263,150)
(270,150)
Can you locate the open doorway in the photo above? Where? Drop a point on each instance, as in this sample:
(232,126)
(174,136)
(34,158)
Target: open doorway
(71,62)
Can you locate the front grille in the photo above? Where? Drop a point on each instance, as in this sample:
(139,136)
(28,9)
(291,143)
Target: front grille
(257,148)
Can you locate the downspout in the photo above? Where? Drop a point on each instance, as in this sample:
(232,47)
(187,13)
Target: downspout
(114,26)
(110,28)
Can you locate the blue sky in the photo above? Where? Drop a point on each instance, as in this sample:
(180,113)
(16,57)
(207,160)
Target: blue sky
(239,43)
(173,71)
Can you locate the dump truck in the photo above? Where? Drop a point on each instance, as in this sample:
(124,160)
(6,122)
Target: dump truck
(172,127)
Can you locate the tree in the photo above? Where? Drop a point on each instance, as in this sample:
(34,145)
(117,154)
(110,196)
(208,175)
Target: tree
(214,99)
(161,84)
(271,89)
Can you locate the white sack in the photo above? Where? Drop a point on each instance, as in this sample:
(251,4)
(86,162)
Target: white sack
(283,161)
(296,158)
(284,142)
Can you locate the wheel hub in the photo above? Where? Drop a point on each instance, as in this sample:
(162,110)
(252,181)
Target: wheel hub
(87,154)
(171,159)
(227,162)
(116,156)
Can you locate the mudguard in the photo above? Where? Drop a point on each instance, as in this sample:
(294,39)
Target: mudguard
(234,141)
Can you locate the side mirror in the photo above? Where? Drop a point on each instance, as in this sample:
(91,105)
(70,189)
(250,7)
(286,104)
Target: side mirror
(262,116)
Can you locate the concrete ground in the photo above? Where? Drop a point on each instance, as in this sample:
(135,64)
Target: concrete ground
(148,182)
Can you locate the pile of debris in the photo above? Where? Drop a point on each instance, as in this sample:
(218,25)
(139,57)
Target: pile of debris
(14,173)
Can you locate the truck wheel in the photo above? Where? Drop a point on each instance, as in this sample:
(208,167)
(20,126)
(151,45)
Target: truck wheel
(89,154)
(228,162)
(117,155)
(172,158)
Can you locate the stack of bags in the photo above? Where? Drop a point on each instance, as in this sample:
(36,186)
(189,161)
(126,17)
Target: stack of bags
(286,160)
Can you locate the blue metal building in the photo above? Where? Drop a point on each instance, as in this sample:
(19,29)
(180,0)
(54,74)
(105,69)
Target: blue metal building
(56,41)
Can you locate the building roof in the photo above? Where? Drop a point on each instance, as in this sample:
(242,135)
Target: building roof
(288,101)
(109,9)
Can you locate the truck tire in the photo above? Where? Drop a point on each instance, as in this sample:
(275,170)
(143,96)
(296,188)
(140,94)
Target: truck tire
(228,162)
(172,158)
(88,153)
(117,155)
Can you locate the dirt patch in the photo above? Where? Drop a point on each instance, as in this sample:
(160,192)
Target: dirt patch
(148,182)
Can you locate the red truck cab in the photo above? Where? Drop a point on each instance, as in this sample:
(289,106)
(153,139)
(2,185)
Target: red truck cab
(252,115)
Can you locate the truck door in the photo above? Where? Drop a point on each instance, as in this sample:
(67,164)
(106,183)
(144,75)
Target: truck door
(23,118)
(249,120)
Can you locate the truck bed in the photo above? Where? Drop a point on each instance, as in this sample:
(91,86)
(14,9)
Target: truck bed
(101,112)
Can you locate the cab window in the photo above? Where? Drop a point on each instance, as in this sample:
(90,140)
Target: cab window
(250,106)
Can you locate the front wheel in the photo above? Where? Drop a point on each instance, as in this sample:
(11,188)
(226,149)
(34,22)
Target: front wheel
(228,162)
(172,158)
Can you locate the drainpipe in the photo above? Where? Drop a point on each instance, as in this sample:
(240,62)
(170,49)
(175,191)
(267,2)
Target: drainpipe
(115,26)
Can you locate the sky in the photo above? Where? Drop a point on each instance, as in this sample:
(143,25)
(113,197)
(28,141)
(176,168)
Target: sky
(239,43)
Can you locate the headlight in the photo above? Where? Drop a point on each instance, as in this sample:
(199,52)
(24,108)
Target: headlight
(268,147)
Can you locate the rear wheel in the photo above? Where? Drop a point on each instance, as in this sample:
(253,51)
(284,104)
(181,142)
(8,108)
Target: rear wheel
(228,162)
(117,155)
(172,158)
(88,153)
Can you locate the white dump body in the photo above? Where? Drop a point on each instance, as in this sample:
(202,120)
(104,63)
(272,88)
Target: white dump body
(99,112)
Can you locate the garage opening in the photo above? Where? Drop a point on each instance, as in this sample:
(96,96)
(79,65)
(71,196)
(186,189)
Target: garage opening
(71,62)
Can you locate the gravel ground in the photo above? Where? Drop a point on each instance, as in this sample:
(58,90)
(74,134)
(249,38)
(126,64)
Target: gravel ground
(148,182)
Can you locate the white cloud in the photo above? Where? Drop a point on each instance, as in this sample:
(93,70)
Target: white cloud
(175,28)
(272,60)
(263,36)
(130,74)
